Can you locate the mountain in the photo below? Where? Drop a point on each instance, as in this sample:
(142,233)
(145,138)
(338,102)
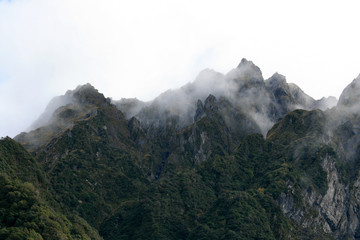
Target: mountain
(244,87)
(27,205)
(228,156)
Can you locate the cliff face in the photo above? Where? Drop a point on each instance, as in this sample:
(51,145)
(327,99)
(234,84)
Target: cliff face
(229,156)
(336,207)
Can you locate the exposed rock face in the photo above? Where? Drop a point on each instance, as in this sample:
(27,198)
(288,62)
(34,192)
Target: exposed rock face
(336,212)
(336,209)
(287,96)
(333,204)
(329,213)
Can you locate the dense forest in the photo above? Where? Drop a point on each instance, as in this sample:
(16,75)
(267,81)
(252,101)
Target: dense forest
(229,156)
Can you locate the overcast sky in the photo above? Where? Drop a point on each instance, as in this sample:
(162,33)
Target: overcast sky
(142,48)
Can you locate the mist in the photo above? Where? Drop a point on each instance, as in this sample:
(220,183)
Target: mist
(263,101)
(48,47)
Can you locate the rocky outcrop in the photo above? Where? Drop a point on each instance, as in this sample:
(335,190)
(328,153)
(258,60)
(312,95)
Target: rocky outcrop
(335,211)
(351,94)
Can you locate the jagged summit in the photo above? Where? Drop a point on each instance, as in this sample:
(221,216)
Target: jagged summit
(87,94)
(243,90)
(247,71)
(86,88)
(243,86)
(276,80)
(80,96)
(243,93)
(244,63)
(62,113)
(350,97)
(224,157)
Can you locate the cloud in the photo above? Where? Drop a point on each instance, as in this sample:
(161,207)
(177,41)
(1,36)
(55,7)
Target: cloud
(142,48)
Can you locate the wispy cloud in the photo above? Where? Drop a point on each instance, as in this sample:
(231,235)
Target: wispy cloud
(142,48)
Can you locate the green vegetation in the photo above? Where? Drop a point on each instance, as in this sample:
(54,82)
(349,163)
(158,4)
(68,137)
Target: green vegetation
(103,176)
(24,214)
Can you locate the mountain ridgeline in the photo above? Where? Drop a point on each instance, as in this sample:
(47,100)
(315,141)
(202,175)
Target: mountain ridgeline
(229,156)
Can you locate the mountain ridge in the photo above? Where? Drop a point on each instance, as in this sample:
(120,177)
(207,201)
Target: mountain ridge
(234,159)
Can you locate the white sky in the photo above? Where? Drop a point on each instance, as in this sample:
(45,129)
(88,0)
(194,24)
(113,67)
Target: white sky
(142,48)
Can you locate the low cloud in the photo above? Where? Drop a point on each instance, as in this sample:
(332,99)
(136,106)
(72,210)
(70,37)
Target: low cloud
(126,50)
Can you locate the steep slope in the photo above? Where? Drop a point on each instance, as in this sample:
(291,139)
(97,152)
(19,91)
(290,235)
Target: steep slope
(245,103)
(61,114)
(92,162)
(237,196)
(99,172)
(195,162)
(27,210)
(330,144)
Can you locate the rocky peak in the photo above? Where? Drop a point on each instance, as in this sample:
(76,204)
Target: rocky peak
(247,64)
(63,112)
(248,71)
(87,94)
(278,86)
(351,95)
(275,81)
(82,94)
(302,100)
(211,103)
